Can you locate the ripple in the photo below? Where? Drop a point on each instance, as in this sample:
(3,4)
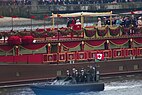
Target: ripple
(125,87)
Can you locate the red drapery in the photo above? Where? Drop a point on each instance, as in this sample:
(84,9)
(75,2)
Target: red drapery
(40,30)
(119,41)
(1,16)
(90,33)
(14,40)
(46,16)
(33,17)
(14,17)
(95,43)
(5,47)
(138,40)
(77,27)
(114,32)
(34,46)
(70,44)
(102,32)
(27,40)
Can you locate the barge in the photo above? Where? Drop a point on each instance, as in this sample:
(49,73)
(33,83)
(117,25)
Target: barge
(46,53)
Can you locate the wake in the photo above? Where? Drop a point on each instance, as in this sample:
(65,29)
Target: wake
(120,87)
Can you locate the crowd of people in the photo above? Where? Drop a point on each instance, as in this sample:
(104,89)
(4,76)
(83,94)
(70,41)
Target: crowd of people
(64,2)
(15,2)
(41,2)
(135,23)
(127,21)
(83,76)
(73,21)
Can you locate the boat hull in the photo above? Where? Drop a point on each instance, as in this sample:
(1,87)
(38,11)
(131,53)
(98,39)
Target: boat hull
(17,73)
(67,89)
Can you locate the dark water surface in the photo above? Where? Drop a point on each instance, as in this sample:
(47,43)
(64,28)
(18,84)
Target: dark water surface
(121,86)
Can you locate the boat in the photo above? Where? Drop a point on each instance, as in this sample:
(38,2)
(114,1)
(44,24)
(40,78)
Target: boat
(48,52)
(66,89)
(70,84)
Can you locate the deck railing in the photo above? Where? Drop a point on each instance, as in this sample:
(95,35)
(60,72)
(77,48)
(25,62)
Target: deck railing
(87,32)
(67,57)
(111,54)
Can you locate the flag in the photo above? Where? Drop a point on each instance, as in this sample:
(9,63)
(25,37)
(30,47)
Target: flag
(1,16)
(33,17)
(14,16)
(99,56)
(58,15)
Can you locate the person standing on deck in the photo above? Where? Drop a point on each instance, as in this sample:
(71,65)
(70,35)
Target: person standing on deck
(77,77)
(77,22)
(70,78)
(69,22)
(73,21)
(73,72)
(134,21)
(118,21)
(68,73)
(99,24)
(91,73)
(134,24)
(94,73)
(139,25)
(107,21)
(139,22)
(104,21)
(127,22)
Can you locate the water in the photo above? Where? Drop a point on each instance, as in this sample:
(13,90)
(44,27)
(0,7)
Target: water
(34,27)
(112,87)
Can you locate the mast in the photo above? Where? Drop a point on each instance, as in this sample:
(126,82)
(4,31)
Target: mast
(53,19)
(111,18)
(82,20)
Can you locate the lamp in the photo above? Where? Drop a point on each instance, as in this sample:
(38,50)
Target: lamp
(59,44)
(82,42)
(49,44)
(107,41)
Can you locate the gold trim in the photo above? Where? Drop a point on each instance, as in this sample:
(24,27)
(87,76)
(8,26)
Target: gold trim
(94,46)
(117,44)
(59,57)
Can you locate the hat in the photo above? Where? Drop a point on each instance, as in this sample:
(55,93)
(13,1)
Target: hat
(77,20)
(67,70)
(99,18)
(82,70)
(73,69)
(140,17)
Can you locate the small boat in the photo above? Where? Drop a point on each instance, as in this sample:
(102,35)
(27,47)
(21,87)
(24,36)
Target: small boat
(70,84)
(67,88)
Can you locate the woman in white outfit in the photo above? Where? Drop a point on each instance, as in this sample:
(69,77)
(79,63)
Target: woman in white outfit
(99,23)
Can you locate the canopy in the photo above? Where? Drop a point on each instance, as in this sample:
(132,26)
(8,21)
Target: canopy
(83,14)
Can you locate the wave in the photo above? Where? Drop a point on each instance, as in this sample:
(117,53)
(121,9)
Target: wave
(120,87)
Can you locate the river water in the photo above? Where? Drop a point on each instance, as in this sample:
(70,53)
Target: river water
(34,27)
(129,86)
